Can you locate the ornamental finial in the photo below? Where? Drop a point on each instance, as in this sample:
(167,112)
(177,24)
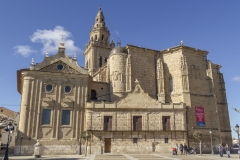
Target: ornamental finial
(181,42)
(32,61)
(46,53)
(75,56)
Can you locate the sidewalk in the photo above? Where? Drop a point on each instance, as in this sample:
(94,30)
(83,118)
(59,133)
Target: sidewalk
(59,157)
(232,156)
(135,156)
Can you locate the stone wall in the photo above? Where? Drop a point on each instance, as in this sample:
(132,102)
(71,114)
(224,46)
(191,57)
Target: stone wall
(143,68)
(147,142)
(101,88)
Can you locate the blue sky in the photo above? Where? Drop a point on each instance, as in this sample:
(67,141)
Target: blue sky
(28,28)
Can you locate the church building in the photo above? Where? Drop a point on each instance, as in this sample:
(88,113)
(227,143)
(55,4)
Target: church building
(126,99)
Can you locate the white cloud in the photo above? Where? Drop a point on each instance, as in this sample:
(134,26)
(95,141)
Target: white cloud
(117,33)
(24,50)
(237,78)
(51,39)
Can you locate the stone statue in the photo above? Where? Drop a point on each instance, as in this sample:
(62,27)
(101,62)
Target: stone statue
(37,149)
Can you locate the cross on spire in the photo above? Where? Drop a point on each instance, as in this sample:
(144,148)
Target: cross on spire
(62,36)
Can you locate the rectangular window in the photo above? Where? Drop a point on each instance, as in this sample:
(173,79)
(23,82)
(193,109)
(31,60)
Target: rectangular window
(135,140)
(46,116)
(166,140)
(107,122)
(137,123)
(100,61)
(65,117)
(166,123)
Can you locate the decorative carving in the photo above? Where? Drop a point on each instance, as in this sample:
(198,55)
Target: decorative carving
(128,73)
(116,76)
(184,69)
(67,102)
(47,102)
(53,68)
(137,88)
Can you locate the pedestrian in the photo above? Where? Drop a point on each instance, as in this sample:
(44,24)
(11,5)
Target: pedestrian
(181,148)
(176,146)
(227,149)
(220,148)
(174,150)
(185,148)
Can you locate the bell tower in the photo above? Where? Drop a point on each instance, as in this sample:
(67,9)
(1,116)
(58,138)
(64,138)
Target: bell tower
(98,48)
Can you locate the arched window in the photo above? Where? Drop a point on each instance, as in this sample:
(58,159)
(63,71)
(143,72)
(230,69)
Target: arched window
(170,84)
(95,38)
(93,95)
(102,37)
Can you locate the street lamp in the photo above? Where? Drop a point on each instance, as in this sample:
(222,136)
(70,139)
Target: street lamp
(237,130)
(9,129)
(210,131)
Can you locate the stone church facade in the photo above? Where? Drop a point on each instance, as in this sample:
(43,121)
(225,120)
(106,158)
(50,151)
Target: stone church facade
(127,99)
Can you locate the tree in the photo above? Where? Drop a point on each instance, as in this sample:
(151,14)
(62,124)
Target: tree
(198,136)
(4,120)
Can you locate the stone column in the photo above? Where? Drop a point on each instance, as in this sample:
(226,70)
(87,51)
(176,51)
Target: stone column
(24,105)
(30,106)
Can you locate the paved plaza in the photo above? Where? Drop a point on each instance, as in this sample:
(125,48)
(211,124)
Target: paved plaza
(125,157)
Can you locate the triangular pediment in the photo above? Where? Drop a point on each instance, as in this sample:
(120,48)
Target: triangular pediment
(59,67)
(137,99)
(59,62)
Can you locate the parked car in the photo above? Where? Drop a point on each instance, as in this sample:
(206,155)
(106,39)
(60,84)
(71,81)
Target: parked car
(3,146)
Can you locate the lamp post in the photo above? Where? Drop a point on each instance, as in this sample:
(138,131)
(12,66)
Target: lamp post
(9,128)
(210,131)
(237,130)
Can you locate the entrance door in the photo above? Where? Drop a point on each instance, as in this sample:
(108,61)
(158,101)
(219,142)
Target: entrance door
(107,145)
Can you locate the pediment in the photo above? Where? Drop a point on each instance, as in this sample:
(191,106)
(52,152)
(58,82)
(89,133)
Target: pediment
(47,102)
(137,99)
(59,67)
(67,102)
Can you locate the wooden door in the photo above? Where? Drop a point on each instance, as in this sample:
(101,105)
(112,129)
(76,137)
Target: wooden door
(107,145)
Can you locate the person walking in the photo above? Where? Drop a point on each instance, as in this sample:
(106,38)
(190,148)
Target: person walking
(176,146)
(227,149)
(220,148)
(181,149)
(185,148)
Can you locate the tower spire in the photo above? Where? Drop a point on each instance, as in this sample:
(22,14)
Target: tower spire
(100,20)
